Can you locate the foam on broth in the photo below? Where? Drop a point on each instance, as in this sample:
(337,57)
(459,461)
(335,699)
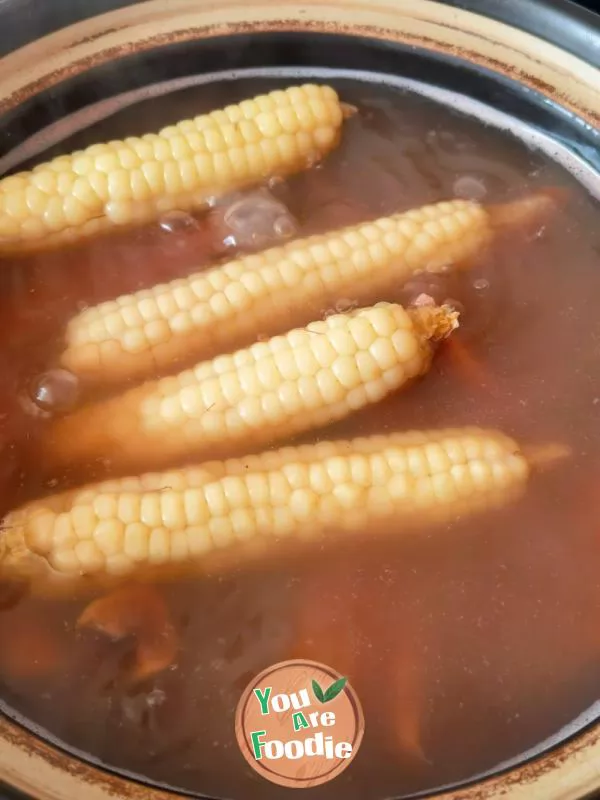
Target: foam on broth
(468,645)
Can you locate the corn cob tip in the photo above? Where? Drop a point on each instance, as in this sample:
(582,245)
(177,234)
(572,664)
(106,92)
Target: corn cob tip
(435,323)
(348,110)
(530,210)
(544,456)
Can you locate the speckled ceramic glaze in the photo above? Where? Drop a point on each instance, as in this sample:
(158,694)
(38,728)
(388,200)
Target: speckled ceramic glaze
(570,771)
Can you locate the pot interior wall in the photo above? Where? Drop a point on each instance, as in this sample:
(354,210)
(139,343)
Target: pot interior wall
(288,50)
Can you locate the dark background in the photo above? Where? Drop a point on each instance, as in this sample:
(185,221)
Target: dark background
(23,21)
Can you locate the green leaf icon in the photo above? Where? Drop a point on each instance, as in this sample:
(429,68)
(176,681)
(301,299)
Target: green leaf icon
(331,693)
(335,689)
(318,692)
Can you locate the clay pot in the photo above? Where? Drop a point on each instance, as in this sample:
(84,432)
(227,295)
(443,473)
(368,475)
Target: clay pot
(533,61)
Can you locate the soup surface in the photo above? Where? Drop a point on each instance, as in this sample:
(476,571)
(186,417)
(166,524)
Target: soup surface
(468,643)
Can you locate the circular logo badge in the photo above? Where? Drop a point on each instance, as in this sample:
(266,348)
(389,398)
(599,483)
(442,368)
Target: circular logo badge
(299,724)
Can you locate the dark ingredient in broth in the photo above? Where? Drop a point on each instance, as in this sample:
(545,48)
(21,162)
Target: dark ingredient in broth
(450,639)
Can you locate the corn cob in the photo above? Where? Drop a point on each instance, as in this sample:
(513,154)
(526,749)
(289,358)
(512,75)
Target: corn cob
(228,306)
(410,478)
(133,181)
(305,379)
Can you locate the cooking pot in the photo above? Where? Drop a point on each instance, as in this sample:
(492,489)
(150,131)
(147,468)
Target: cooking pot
(532,62)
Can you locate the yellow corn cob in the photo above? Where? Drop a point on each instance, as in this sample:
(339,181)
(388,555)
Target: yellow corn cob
(133,181)
(194,476)
(228,306)
(305,379)
(249,503)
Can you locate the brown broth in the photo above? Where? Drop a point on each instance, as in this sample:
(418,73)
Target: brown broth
(467,644)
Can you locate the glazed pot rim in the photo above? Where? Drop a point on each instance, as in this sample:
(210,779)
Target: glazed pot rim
(561,22)
(567,771)
(510,51)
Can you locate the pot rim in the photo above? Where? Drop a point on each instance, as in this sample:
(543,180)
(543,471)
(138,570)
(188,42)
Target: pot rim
(566,772)
(560,22)
(437,26)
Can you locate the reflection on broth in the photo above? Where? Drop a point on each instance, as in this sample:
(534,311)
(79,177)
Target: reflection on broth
(433,543)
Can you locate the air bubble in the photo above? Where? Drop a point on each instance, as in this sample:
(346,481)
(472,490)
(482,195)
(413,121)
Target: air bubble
(423,300)
(417,290)
(344,304)
(55,391)
(468,187)
(177,222)
(312,160)
(257,220)
(275,181)
(454,304)
(284,227)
